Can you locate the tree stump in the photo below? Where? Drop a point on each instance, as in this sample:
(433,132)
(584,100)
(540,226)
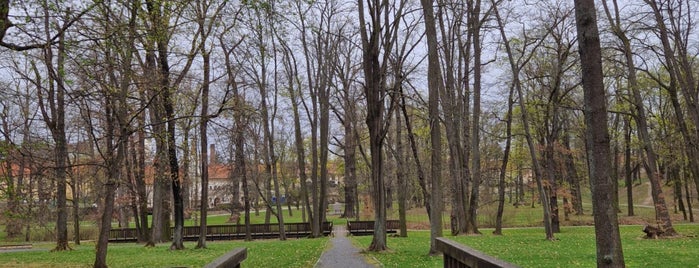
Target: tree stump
(652,232)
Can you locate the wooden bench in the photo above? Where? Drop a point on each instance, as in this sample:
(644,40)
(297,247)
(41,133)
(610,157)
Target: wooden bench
(232,259)
(459,256)
(359,228)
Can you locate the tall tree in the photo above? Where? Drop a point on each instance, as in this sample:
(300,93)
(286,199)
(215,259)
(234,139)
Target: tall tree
(516,65)
(52,104)
(609,251)
(434,83)
(454,98)
(674,40)
(654,176)
(505,157)
(377,37)
(474,30)
(205,27)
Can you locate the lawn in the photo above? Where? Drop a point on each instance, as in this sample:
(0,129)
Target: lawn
(261,253)
(526,247)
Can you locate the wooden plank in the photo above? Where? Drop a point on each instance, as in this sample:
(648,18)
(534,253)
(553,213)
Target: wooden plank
(457,255)
(231,259)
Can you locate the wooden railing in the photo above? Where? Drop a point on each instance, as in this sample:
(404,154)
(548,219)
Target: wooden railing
(228,231)
(232,259)
(367,227)
(460,256)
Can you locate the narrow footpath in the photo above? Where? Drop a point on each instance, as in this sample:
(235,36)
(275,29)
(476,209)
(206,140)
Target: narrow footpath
(342,254)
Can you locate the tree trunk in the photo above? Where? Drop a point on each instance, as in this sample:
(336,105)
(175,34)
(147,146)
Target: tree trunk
(689,198)
(401,178)
(677,190)
(158,85)
(609,251)
(628,172)
(203,147)
(572,172)
(350,158)
(144,234)
(505,160)
(376,94)
(434,82)
(475,31)
(422,181)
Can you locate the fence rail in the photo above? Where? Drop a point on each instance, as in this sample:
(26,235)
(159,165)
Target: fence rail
(232,259)
(228,231)
(459,256)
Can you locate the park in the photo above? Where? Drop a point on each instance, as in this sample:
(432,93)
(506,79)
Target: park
(349,133)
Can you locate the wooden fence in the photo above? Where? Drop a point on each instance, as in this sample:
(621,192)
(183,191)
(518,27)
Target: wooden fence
(459,256)
(228,231)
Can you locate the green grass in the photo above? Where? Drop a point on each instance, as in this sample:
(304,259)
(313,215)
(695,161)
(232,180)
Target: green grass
(408,251)
(523,246)
(527,247)
(261,253)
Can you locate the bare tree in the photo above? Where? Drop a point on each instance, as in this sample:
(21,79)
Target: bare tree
(205,28)
(377,36)
(52,104)
(516,65)
(662,214)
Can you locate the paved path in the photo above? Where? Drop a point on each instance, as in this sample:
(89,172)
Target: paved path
(342,254)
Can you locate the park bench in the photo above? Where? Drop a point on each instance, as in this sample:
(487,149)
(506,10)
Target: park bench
(460,256)
(359,228)
(232,259)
